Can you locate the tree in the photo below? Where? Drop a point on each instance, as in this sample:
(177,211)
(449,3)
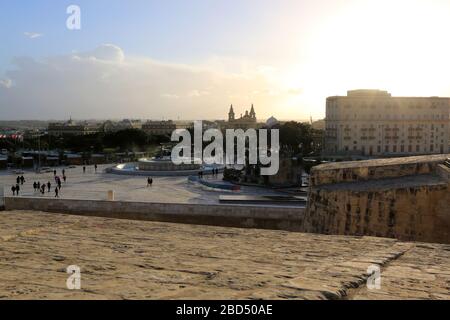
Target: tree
(296,138)
(126,139)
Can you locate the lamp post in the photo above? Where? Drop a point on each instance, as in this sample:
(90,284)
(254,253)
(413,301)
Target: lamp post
(39,153)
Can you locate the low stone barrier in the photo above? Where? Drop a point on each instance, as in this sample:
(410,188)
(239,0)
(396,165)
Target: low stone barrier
(215,185)
(276,218)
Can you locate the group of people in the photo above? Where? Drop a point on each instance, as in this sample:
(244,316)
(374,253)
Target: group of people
(20,180)
(41,187)
(214,173)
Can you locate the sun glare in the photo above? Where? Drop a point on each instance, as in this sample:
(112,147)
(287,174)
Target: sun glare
(400,46)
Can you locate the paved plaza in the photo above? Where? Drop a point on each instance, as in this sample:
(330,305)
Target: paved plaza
(95,186)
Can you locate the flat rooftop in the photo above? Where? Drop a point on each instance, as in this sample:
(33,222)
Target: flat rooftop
(121,259)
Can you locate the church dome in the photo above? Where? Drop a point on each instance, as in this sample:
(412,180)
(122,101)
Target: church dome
(272,121)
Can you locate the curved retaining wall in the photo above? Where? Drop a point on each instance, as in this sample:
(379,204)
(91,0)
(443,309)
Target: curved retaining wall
(214,185)
(276,218)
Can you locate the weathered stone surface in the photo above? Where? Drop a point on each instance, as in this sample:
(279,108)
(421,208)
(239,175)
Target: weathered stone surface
(122,259)
(402,198)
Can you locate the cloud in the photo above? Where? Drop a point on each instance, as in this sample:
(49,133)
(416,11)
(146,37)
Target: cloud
(170,96)
(197,93)
(106,53)
(33,35)
(105,83)
(295,91)
(6,83)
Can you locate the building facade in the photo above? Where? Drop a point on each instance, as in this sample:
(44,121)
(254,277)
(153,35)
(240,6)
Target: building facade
(246,121)
(58,129)
(114,126)
(159,128)
(373,123)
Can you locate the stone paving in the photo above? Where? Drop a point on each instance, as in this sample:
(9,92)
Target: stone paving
(95,186)
(122,259)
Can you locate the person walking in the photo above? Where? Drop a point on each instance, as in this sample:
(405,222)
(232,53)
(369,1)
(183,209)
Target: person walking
(38,186)
(17,189)
(63,172)
(64,178)
(22,180)
(84,169)
(95,168)
(56,192)
(13,189)
(54,173)
(59,183)
(18,180)
(49,185)
(43,189)
(34,186)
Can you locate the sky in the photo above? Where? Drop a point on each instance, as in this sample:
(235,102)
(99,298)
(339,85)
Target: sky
(191,59)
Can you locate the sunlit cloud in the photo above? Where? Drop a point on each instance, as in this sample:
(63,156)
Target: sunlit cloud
(33,35)
(106,83)
(6,83)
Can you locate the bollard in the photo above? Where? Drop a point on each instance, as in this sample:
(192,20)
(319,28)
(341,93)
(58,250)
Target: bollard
(111,195)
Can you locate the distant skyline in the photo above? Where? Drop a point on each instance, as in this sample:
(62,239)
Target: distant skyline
(191,59)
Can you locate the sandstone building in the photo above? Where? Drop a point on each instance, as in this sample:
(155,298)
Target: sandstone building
(114,126)
(373,123)
(159,127)
(72,128)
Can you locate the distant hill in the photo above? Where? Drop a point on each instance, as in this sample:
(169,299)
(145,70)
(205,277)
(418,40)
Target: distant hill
(24,124)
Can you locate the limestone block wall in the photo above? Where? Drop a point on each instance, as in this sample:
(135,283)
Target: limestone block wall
(409,214)
(374,169)
(406,198)
(277,218)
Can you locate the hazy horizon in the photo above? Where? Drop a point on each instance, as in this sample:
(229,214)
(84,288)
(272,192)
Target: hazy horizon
(192,59)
